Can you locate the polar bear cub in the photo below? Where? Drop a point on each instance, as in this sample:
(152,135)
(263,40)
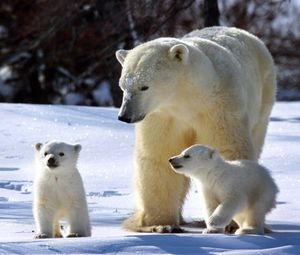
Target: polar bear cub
(241,190)
(59,192)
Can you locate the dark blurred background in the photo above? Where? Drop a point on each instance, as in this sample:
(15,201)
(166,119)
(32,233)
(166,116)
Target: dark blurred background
(63,52)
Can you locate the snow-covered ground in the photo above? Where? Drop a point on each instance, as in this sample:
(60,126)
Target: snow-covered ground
(107,170)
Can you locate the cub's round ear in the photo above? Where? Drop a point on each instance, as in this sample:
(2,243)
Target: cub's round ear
(213,154)
(179,52)
(77,147)
(121,55)
(38,146)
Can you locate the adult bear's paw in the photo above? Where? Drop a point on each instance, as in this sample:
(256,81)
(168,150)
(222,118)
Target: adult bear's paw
(167,229)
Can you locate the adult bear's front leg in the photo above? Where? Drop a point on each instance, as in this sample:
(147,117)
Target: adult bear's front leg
(158,197)
(159,190)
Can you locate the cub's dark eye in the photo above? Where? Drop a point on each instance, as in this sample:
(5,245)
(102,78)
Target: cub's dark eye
(144,88)
(45,154)
(186,156)
(61,154)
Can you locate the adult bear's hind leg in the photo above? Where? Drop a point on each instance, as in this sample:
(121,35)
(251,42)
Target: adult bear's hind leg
(268,98)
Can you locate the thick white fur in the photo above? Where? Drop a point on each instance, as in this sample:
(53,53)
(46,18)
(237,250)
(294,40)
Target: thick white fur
(59,192)
(241,190)
(215,86)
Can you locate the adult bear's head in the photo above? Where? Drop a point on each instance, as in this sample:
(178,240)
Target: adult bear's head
(151,75)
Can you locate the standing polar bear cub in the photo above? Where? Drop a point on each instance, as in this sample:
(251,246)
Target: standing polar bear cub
(214,86)
(59,192)
(241,190)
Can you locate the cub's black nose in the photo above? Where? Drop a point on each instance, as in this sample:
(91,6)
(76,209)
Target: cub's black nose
(124,119)
(174,163)
(51,161)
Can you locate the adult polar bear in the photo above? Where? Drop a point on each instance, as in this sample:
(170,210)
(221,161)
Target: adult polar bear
(214,86)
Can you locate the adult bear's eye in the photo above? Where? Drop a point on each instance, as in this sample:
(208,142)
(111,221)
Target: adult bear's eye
(45,154)
(61,154)
(186,156)
(144,88)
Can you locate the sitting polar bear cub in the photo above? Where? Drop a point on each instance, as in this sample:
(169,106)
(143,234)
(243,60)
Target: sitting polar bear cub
(59,192)
(241,190)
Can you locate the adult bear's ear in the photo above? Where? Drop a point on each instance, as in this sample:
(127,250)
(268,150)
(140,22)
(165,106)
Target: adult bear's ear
(121,55)
(180,53)
(38,146)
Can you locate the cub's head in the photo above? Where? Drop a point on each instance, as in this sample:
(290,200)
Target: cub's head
(57,156)
(194,160)
(151,72)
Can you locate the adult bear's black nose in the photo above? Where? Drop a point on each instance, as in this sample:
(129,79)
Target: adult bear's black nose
(124,119)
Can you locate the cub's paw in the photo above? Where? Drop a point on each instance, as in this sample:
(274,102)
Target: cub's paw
(73,235)
(216,221)
(213,231)
(249,231)
(167,229)
(41,236)
(232,227)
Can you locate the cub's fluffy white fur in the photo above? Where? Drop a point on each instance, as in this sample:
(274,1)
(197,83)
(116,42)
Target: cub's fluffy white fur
(59,192)
(241,190)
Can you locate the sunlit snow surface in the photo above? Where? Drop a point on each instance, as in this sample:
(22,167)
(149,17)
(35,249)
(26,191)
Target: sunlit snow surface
(106,166)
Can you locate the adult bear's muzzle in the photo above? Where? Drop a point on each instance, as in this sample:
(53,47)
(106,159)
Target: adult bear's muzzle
(125,114)
(124,118)
(128,112)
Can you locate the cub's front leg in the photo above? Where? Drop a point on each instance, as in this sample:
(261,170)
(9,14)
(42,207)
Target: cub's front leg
(210,204)
(224,213)
(44,218)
